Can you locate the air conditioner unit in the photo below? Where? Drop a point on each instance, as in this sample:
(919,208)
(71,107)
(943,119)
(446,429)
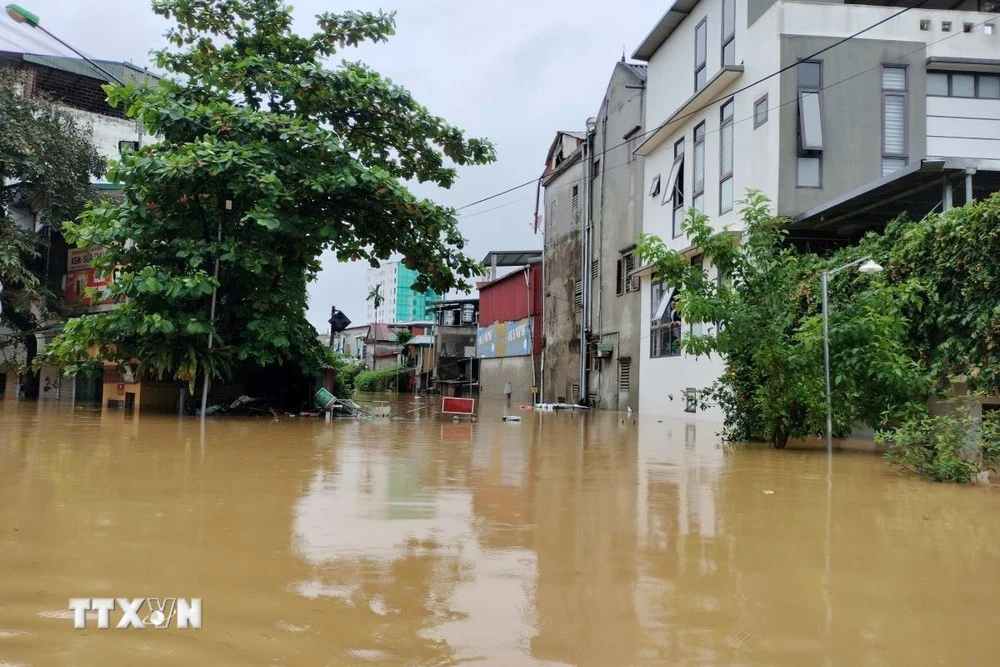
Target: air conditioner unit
(633,284)
(604,350)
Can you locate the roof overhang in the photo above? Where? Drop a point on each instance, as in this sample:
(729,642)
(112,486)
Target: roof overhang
(512,257)
(964,64)
(712,90)
(665,27)
(917,190)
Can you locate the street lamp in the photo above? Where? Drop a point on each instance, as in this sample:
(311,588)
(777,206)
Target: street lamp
(867,266)
(21,15)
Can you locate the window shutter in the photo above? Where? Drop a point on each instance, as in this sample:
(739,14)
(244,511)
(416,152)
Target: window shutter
(895,124)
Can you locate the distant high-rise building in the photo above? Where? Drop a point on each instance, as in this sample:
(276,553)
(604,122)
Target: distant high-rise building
(399,302)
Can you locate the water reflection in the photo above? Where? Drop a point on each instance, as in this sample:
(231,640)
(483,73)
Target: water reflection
(563,539)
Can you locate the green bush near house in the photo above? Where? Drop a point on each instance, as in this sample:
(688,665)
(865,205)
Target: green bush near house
(379,380)
(953,447)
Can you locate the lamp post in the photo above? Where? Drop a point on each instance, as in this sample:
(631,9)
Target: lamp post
(21,15)
(868,266)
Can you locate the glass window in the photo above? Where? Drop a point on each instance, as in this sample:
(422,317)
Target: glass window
(808,169)
(810,121)
(699,159)
(665,324)
(810,74)
(700,54)
(893,78)
(678,216)
(728,32)
(891,164)
(670,191)
(937,84)
(760,112)
(894,119)
(726,158)
(989,86)
(963,85)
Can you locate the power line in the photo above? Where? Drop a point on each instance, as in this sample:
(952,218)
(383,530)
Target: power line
(719,99)
(778,106)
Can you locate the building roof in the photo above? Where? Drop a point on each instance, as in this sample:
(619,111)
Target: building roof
(123,70)
(665,27)
(509,276)
(638,70)
(512,257)
(450,303)
(422,340)
(383,332)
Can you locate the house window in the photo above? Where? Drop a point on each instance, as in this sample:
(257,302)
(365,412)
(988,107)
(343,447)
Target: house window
(625,282)
(576,203)
(632,144)
(654,187)
(677,193)
(809,166)
(760,112)
(728,32)
(726,158)
(624,375)
(894,154)
(578,296)
(699,167)
(963,84)
(665,323)
(701,55)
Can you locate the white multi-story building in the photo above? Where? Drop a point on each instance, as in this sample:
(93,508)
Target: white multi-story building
(841,134)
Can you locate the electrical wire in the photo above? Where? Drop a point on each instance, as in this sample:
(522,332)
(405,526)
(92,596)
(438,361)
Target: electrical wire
(904,58)
(725,97)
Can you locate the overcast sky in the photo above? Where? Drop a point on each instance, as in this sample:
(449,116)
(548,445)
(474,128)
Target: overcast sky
(513,71)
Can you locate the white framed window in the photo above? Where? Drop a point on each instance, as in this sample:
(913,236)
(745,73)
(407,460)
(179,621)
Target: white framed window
(665,323)
(811,137)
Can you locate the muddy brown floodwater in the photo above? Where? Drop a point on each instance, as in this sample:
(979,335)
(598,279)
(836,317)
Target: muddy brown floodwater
(564,539)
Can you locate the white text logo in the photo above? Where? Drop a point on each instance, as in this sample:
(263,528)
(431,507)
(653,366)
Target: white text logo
(138,612)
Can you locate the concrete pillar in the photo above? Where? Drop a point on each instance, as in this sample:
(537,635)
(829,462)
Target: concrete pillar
(947,195)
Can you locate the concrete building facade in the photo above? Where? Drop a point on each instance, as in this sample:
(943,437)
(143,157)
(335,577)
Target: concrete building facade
(562,289)
(399,301)
(75,88)
(900,118)
(612,331)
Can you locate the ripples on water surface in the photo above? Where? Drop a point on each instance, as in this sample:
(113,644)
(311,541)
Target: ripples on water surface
(564,539)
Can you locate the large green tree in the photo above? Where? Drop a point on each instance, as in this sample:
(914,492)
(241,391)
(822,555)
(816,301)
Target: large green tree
(267,157)
(47,160)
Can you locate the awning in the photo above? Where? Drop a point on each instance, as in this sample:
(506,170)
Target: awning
(917,189)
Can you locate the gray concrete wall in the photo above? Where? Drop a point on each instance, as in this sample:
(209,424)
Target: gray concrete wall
(756,9)
(852,116)
(494,374)
(617,212)
(561,321)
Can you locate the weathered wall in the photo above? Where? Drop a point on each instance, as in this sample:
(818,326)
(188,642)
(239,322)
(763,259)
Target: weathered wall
(617,211)
(561,320)
(494,374)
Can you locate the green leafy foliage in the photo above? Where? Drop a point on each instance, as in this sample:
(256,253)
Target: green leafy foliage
(267,158)
(47,159)
(379,380)
(950,447)
(947,265)
(767,325)
(346,371)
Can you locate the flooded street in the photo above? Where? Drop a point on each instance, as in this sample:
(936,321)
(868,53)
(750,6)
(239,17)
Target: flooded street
(562,540)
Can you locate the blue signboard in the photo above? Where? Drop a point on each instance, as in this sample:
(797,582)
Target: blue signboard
(504,339)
